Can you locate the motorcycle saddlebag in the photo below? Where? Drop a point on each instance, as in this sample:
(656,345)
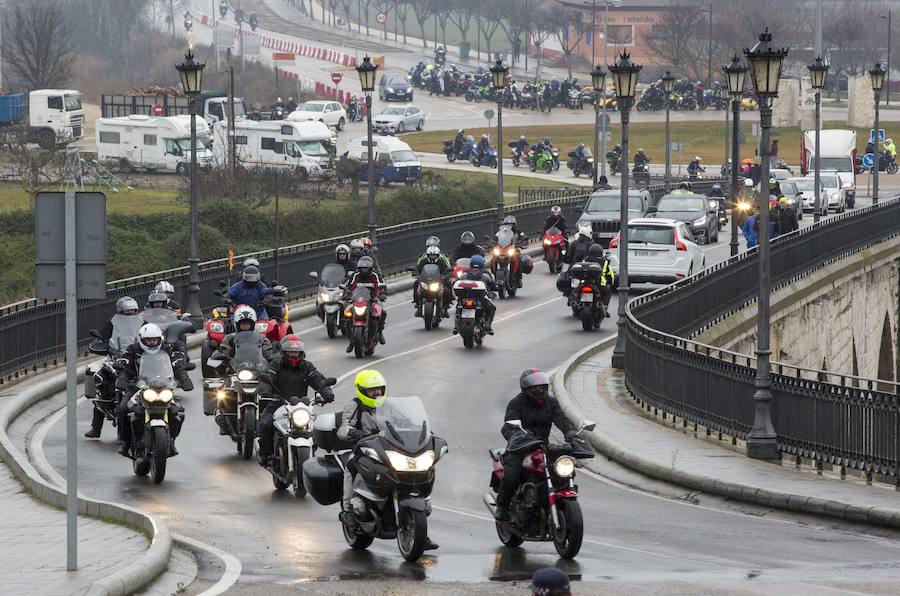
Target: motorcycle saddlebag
(323,479)
(527,264)
(90,390)
(563,281)
(210,387)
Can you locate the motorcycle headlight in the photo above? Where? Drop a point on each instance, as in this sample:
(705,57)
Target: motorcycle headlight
(744,206)
(359,310)
(163,395)
(245,375)
(220,394)
(546,242)
(564,466)
(497,251)
(434,286)
(166,395)
(324,297)
(511,250)
(713,205)
(217,327)
(405,463)
(300,418)
(150,395)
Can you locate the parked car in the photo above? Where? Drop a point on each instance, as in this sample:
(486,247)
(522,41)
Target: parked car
(792,193)
(331,113)
(394,86)
(694,210)
(660,251)
(399,119)
(602,211)
(834,196)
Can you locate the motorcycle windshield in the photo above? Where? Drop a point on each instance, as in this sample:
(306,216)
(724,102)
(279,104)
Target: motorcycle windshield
(403,422)
(247,351)
(332,275)
(554,231)
(125,331)
(505,236)
(362,294)
(430,273)
(160,316)
(156,370)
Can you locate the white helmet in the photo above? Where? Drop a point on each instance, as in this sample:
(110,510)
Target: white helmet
(150,336)
(165,287)
(585,230)
(432,241)
(243,313)
(748,183)
(433,251)
(697,158)
(250,261)
(555,211)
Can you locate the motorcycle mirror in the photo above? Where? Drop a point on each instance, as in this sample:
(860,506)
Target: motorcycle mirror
(314,275)
(330,381)
(95,333)
(589,425)
(190,366)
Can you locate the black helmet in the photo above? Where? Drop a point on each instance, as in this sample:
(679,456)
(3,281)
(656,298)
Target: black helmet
(684,186)
(467,237)
(595,253)
(535,384)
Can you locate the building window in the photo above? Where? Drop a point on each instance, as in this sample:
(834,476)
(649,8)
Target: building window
(150,140)
(109,137)
(622,35)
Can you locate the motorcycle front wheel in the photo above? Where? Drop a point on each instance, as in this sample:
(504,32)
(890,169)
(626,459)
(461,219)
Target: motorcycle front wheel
(301,454)
(568,535)
(428,315)
(451,157)
(281,458)
(248,433)
(412,533)
(358,342)
(159,453)
(331,325)
(507,535)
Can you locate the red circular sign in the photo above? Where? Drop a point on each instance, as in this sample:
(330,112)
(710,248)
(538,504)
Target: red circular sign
(381,18)
(157,109)
(336,77)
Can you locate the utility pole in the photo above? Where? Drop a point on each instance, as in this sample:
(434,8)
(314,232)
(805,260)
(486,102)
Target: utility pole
(709,56)
(232,148)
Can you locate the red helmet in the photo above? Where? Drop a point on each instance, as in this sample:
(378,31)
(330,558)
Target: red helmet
(367,241)
(293,349)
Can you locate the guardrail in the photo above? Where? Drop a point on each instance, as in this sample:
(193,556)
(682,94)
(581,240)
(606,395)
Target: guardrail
(32,332)
(656,187)
(835,418)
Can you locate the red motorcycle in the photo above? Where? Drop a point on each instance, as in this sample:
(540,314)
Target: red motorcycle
(545,505)
(217,326)
(460,267)
(277,326)
(364,315)
(554,246)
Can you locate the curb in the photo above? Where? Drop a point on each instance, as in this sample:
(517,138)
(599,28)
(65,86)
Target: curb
(878,516)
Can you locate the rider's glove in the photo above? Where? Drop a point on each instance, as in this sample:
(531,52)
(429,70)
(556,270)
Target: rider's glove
(327,395)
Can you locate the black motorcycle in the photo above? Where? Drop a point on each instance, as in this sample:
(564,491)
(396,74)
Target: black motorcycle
(718,203)
(100,381)
(581,165)
(613,159)
(430,295)
(586,297)
(470,315)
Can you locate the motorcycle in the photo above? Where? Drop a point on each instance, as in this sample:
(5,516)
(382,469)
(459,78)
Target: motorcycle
(431,295)
(363,315)
(100,381)
(541,160)
(293,440)
(519,157)
(151,448)
(469,311)
(328,299)
(394,476)
(355,112)
(718,203)
(585,298)
(554,153)
(507,265)
(465,151)
(695,170)
(641,173)
(484,158)
(217,326)
(554,249)
(584,165)
(613,159)
(276,327)
(545,505)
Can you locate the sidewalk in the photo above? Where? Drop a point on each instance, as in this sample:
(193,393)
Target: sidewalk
(588,387)
(33,545)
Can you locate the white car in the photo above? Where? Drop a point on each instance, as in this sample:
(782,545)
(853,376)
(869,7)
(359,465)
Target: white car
(807,196)
(660,251)
(331,113)
(833,193)
(399,119)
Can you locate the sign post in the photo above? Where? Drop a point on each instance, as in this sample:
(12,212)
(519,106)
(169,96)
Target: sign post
(489,114)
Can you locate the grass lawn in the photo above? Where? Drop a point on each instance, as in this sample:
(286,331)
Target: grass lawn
(139,200)
(511,183)
(706,139)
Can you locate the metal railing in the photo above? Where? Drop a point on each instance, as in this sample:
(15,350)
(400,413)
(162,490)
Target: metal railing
(845,420)
(32,332)
(656,187)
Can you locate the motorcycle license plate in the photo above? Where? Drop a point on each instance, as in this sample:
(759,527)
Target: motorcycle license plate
(468,313)
(587,297)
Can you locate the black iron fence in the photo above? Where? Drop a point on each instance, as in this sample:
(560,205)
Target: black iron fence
(844,420)
(656,187)
(32,332)
(113,106)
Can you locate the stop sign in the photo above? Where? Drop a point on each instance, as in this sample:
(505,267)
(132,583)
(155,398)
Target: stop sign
(336,77)
(157,109)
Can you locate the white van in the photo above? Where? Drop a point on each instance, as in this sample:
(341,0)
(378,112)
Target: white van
(394,160)
(146,143)
(272,144)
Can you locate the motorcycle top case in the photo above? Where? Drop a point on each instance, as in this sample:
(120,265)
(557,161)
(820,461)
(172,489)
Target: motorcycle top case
(527,264)
(323,479)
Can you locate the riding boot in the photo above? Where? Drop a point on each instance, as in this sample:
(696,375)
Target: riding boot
(96,425)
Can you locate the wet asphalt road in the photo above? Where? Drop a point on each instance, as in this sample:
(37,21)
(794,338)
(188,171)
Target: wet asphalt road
(631,539)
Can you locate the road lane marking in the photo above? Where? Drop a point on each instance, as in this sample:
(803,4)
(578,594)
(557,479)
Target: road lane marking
(233,566)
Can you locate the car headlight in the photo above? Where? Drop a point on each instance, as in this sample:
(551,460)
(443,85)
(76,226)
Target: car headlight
(300,418)
(245,375)
(564,466)
(835,195)
(324,297)
(359,310)
(389,90)
(497,251)
(434,286)
(217,327)
(404,463)
(847,185)
(700,221)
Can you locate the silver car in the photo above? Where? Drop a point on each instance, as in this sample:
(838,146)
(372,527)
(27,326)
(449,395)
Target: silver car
(399,119)
(833,193)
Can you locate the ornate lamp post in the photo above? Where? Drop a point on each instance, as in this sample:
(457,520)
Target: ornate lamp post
(765,70)
(366,72)
(498,80)
(625,78)
(598,77)
(735,72)
(877,75)
(191,73)
(818,71)
(668,82)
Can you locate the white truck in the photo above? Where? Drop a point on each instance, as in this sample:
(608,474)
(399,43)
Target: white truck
(144,143)
(281,144)
(838,154)
(54,115)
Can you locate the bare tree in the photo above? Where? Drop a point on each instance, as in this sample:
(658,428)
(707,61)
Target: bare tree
(674,40)
(488,14)
(848,33)
(37,45)
(403,7)
(35,170)
(423,9)
(461,16)
(569,31)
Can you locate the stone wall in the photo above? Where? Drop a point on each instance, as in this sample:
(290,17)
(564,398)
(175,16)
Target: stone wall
(785,107)
(861,102)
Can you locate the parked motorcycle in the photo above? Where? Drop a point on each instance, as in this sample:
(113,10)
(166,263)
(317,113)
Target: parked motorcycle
(394,476)
(431,295)
(100,381)
(586,298)
(584,165)
(364,316)
(470,314)
(328,297)
(554,249)
(545,505)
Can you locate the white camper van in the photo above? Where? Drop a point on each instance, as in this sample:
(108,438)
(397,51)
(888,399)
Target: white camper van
(297,146)
(146,143)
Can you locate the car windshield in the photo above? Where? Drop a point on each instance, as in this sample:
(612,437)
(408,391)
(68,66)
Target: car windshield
(156,370)
(681,204)
(400,81)
(185,144)
(73,102)
(332,275)
(829,181)
(805,185)
(239,109)
(312,107)
(394,112)
(612,203)
(650,234)
(313,148)
(780,174)
(841,164)
(403,155)
(404,422)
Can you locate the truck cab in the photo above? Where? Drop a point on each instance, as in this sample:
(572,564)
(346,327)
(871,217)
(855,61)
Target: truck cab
(838,153)
(215,107)
(56,114)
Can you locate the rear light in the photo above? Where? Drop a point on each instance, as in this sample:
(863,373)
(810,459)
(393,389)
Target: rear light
(469,303)
(614,243)
(586,289)
(679,245)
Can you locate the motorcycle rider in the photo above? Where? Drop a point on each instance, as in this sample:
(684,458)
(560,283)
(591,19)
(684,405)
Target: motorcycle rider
(555,219)
(716,191)
(369,250)
(150,341)
(458,141)
(365,274)
(521,145)
(467,247)
(694,168)
(156,299)
(640,159)
(291,105)
(596,254)
(538,412)
(434,256)
(477,272)
(580,152)
(342,257)
(244,320)
(127,306)
(484,145)
(291,375)
(583,241)
(613,156)
(356,251)
(250,291)
(169,290)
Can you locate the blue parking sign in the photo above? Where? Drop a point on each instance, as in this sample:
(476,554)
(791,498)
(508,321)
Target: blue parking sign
(880,135)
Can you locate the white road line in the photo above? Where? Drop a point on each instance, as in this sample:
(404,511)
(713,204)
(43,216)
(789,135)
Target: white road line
(232,565)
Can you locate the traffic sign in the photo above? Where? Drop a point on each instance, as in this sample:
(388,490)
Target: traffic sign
(869,159)
(604,120)
(676,146)
(381,18)
(489,114)
(283,56)
(336,77)
(880,135)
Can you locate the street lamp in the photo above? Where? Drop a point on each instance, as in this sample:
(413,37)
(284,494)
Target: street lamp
(191,73)
(366,72)
(625,78)
(188,20)
(598,77)
(765,70)
(818,72)
(668,82)
(498,79)
(877,76)
(735,72)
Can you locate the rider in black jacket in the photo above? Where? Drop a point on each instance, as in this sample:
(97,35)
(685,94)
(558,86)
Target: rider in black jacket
(538,412)
(289,376)
(467,248)
(579,249)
